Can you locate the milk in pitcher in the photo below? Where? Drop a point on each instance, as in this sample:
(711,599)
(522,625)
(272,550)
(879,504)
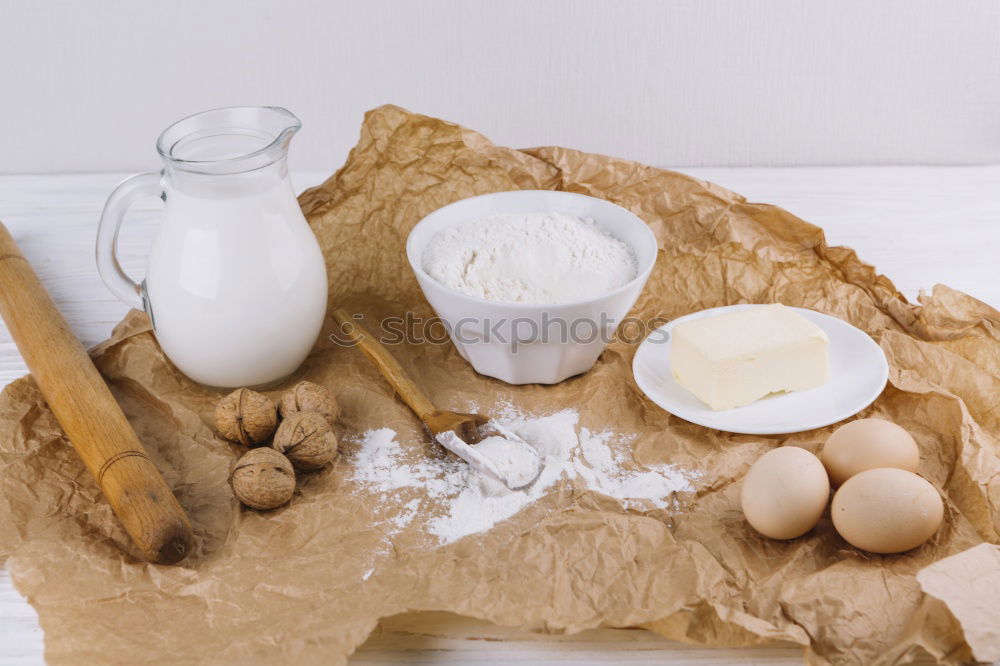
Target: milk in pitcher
(236,285)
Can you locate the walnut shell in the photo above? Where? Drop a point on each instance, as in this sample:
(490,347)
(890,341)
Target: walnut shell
(245,416)
(309,397)
(263,479)
(307,439)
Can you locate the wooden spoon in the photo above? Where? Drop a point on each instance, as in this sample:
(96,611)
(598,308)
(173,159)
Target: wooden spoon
(467,426)
(455,431)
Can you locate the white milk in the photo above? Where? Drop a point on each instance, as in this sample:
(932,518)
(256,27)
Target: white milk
(236,283)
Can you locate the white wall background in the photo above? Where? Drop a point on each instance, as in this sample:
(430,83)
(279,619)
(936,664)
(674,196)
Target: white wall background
(87,86)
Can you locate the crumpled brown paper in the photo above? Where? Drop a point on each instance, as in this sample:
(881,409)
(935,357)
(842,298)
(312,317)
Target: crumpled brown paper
(310,581)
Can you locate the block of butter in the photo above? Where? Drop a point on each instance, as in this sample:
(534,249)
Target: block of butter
(737,358)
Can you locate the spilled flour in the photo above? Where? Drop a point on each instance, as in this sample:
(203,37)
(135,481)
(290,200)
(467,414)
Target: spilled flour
(452,500)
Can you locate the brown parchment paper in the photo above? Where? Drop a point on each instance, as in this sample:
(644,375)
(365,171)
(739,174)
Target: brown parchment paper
(307,583)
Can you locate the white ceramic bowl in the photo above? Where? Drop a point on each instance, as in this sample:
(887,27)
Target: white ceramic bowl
(528,344)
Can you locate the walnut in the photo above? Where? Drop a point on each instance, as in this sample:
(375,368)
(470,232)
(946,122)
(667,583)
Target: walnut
(307,439)
(246,416)
(263,479)
(309,397)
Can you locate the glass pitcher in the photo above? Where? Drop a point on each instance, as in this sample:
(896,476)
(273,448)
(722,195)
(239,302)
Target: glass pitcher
(236,283)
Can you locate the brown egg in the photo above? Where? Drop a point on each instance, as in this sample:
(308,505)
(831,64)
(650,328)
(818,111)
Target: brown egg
(868,444)
(887,510)
(785,492)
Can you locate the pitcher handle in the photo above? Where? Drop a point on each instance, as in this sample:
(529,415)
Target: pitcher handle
(117,280)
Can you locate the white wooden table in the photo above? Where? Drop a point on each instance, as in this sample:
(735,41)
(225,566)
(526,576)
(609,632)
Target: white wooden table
(917,225)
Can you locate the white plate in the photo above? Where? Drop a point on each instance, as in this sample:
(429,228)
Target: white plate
(858,373)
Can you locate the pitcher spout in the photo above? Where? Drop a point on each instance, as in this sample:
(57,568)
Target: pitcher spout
(289,123)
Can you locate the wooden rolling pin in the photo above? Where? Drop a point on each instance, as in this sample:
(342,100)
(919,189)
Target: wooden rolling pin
(88,413)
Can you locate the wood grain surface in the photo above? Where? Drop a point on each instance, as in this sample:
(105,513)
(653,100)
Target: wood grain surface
(918,225)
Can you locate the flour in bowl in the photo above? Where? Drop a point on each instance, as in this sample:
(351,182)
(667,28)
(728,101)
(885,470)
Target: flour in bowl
(533,258)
